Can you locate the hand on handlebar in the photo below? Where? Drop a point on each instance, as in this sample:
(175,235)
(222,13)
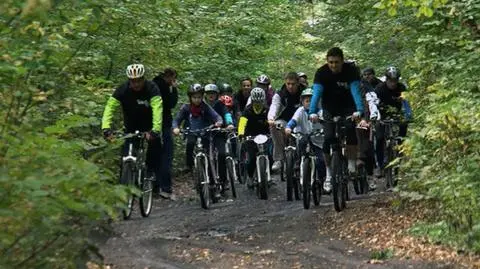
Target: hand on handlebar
(218,124)
(356,115)
(230,127)
(271,123)
(176,131)
(288,131)
(107,134)
(314,118)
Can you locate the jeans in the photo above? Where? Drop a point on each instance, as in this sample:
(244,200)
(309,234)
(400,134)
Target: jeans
(164,173)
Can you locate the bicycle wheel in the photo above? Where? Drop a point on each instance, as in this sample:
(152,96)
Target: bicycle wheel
(263,184)
(231,176)
(317,192)
(146,199)
(389,177)
(289,163)
(282,171)
(338,188)
(127,178)
(242,166)
(203,187)
(362,172)
(307,182)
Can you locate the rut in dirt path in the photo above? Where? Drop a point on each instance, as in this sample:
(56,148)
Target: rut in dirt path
(244,233)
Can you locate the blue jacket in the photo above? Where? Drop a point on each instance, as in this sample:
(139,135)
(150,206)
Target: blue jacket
(207,117)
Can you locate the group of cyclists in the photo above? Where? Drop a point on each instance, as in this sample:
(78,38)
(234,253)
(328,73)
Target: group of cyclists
(339,89)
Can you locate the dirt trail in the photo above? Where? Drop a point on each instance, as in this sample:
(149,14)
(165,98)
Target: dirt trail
(244,233)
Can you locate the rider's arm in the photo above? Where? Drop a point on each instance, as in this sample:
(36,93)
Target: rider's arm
(317,94)
(357,96)
(180,117)
(110,108)
(407,110)
(242,125)
(274,107)
(157,111)
(228,118)
(296,118)
(213,115)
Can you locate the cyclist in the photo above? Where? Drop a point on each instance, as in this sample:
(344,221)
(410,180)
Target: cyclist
(226,89)
(212,99)
(303,79)
(226,98)
(253,122)
(391,105)
(142,111)
(284,104)
(263,81)
(167,84)
(337,84)
(369,80)
(301,124)
(241,97)
(197,115)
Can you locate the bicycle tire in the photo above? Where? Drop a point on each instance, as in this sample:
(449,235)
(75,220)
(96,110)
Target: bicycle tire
(263,184)
(307,182)
(231,176)
(388,169)
(289,163)
(146,199)
(202,188)
(127,178)
(337,183)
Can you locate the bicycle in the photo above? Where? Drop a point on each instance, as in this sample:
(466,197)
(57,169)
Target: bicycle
(230,162)
(134,174)
(263,164)
(292,173)
(205,168)
(339,163)
(392,141)
(308,169)
(360,179)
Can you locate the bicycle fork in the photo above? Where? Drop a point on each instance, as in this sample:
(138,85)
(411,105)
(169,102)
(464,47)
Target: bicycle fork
(203,156)
(267,161)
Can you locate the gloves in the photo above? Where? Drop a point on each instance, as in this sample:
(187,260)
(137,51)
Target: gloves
(107,133)
(375,115)
(156,136)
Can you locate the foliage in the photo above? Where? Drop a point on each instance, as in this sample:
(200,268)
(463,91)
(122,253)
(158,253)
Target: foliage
(436,44)
(60,61)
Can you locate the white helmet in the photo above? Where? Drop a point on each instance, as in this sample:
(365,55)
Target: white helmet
(211,88)
(258,95)
(135,71)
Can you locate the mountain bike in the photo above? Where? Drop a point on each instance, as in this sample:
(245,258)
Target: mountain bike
(134,174)
(392,141)
(263,164)
(292,172)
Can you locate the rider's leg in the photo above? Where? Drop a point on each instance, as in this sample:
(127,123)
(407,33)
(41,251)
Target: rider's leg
(329,131)
(380,144)
(166,160)
(189,151)
(219,142)
(278,138)
(351,147)
(320,165)
(153,161)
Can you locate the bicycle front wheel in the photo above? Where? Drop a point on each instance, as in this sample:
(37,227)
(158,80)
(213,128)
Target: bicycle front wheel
(203,187)
(231,175)
(127,178)
(307,182)
(338,186)
(389,176)
(146,199)
(263,184)
(289,162)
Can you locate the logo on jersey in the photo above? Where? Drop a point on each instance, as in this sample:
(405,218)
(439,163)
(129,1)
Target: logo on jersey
(342,84)
(143,102)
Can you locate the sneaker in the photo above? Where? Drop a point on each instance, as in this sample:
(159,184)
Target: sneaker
(371,183)
(327,185)
(167,195)
(276,166)
(250,182)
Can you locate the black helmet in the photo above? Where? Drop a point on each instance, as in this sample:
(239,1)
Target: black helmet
(392,73)
(302,75)
(225,87)
(368,70)
(195,88)
(263,79)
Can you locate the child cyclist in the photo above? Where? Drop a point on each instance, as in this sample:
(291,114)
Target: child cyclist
(254,122)
(301,124)
(197,115)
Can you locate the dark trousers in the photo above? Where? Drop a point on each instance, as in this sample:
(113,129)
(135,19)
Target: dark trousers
(164,173)
(218,142)
(320,164)
(365,147)
(380,141)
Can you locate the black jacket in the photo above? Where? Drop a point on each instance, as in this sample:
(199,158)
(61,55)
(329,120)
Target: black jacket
(169,98)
